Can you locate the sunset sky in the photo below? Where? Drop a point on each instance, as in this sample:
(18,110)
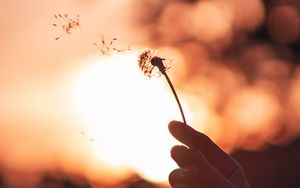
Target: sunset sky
(65,106)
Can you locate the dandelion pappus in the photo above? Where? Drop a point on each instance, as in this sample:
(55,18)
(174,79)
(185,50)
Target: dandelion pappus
(151,64)
(65,23)
(106,47)
(121,50)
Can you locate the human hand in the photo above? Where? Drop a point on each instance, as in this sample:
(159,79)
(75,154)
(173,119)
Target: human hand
(202,163)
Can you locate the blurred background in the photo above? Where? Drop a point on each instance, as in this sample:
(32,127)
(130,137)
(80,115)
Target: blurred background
(73,116)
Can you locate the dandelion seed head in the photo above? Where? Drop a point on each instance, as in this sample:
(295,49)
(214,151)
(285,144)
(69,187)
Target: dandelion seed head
(151,64)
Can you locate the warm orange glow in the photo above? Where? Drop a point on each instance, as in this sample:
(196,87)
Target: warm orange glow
(215,29)
(236,65)
(125,115)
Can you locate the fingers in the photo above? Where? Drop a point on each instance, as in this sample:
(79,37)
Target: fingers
(187,158)
(205,163)
(191,178)
(197,141)
(179,176)
(184,178)
(182,156)
(199,172)
(208,175)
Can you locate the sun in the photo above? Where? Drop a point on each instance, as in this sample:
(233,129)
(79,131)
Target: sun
(126,114)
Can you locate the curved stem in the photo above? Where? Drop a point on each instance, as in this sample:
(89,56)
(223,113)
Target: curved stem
(175,95)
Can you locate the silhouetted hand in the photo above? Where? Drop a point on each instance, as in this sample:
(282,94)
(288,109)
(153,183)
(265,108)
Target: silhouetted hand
(202,163)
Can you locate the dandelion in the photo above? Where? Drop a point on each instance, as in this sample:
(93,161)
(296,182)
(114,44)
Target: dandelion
(151,64)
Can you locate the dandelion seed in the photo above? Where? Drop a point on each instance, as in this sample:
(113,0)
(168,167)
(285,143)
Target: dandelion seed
(121,50)
(102,40)
(148,62)
(66,24)
(106,47)
(58,37)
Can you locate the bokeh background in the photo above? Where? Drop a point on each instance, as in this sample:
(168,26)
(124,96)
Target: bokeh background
(71,116)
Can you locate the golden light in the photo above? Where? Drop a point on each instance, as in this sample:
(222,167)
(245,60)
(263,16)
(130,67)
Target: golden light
(125,115)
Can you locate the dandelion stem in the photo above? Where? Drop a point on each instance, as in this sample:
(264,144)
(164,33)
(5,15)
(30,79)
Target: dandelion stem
(147,62)
(175,95)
